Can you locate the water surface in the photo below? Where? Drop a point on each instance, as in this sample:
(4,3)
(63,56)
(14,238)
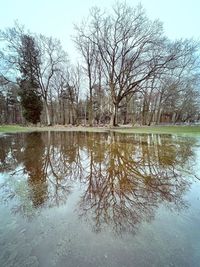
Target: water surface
(94,199)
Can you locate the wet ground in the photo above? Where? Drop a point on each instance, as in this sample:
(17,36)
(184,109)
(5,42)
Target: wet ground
(99,199)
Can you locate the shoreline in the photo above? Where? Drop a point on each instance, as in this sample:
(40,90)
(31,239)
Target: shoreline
(168,129)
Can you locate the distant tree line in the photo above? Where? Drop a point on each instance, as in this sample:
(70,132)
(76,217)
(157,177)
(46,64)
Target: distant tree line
(129,72)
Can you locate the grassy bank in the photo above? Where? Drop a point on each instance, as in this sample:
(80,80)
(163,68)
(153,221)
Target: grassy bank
(13,128)
(162,129)
(17,128)
(151,129)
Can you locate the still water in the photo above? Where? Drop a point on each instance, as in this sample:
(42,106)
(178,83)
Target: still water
(99,199)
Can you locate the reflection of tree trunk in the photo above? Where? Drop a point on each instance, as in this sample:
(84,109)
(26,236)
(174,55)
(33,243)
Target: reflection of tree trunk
(90,174)
(35,169)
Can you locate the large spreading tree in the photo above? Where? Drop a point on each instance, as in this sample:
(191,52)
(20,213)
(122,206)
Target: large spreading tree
(133,51)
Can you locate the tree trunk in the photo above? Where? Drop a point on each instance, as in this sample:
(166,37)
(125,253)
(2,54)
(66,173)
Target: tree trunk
(159,115)
(52,113)
(125,112)
(113,119)
(144,114)
(90,111)
(47,113)
(63,112)
(60,112)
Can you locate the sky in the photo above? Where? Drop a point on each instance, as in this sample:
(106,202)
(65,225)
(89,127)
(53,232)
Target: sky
(56,18)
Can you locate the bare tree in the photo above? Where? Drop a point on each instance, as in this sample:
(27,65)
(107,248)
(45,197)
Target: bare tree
(133,71)
(133,49)
(50,57)
(88,51)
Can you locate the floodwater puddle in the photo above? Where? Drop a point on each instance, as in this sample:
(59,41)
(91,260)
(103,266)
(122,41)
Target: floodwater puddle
(99,199)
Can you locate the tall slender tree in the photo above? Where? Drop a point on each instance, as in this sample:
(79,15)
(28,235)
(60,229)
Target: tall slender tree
(29,61)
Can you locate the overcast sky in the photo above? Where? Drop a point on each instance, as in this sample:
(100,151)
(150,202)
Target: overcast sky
(55,18)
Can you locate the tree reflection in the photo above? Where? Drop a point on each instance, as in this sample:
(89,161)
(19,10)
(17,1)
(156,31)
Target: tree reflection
(123,178)
(35,167)
(134,177)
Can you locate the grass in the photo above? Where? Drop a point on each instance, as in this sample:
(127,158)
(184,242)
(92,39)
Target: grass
(12,128)
(127,130)
(18,128)
(162,129)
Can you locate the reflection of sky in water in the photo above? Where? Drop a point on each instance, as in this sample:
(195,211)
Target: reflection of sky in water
(76,197)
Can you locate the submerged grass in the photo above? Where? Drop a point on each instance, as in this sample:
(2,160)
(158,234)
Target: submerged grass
(126,130)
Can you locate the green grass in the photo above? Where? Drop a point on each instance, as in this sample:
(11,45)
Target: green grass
(194,130)
(161,129)
(12,128)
